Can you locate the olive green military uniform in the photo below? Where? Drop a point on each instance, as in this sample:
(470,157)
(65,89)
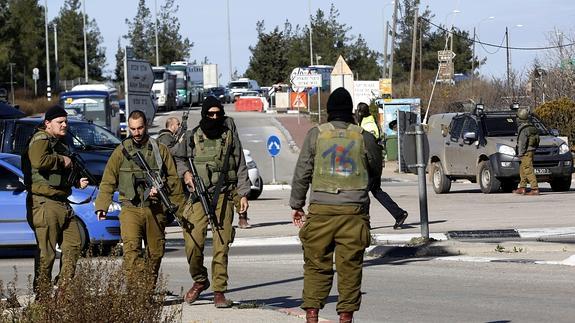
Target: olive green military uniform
(337,159)
(141,217)
(208,158)
(527,143)
(49,213)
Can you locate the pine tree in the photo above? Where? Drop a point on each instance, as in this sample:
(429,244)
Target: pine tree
(268,63)
(171,45)
(141,33)
(119,70)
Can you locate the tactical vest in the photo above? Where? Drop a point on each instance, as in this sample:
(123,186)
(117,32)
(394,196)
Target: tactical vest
(532,135)
(131,178)
(209,158)
(54,177)
(339,164)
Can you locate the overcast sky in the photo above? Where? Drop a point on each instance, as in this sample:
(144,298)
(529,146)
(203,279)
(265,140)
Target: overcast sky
(530,22)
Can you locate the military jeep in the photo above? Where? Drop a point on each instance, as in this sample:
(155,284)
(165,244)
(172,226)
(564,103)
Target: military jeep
(480,147)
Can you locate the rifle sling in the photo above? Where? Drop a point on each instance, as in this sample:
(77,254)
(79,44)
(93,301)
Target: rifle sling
(222,178)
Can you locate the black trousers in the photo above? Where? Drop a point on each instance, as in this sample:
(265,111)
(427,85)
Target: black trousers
(385,200)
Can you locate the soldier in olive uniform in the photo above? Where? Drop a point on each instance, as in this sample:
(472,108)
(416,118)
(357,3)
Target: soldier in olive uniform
(167,136)
(527,143)
(337,159)
(143,216)
(208,144)
(46,174)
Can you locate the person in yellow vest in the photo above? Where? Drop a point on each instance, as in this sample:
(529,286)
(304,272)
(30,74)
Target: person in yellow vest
(49,213)
(338,159)
(143,217)
(369,124)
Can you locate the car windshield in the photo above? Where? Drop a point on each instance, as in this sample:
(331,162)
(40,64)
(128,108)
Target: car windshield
(14,161)
(91,136)
(237,85)
(506,125)
(92,108)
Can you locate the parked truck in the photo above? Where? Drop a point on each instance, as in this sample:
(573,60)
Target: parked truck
(164,88)
(189,82)
(211,77)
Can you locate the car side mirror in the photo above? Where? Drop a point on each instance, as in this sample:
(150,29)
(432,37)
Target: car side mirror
(469,137)
(16,187)
(554,132)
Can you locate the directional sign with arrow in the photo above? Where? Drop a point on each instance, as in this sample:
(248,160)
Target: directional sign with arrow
(273,146)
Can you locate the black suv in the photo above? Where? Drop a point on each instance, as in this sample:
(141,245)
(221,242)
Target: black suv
(92,142)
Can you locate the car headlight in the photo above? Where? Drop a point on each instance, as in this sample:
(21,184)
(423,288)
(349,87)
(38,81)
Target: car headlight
(506,150)
(114,206)
(563,149)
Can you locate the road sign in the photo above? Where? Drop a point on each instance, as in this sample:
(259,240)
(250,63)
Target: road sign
(294,74)
(35,73)
(144,103)
(445,55)
(274,145)
(303,81)
(140,76)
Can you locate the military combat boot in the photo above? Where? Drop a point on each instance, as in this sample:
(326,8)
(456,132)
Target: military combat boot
(520,191)
(345,317)
(534,191)
(311,315)
(220,300)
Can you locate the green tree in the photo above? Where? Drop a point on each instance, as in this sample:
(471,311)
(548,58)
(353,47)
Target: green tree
(268,63)
(171,45)
(141,33)
(22,38)
(363,60)
(70,27)
(559,114)
(119,70)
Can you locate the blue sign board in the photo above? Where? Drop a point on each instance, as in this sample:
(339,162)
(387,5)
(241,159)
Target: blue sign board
(274,146)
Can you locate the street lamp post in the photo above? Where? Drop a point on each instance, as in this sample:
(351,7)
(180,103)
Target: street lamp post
(12,82)
(85,42)
(156,32)
(229,41)
(57,67)
(48,90)
(508,54)
(310,37)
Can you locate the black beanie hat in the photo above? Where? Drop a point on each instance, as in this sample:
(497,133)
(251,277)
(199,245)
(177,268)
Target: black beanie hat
(340,101)
(54,112)
(210,102)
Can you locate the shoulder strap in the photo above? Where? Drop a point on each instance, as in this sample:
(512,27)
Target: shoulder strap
(325,127)
(224,173)
(156,152)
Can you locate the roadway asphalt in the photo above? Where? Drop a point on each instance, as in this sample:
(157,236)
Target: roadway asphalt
(482,228)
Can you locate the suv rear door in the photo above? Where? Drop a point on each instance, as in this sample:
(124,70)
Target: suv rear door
(468,148)
(452,149)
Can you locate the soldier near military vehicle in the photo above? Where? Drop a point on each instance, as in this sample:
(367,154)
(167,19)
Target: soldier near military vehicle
(337,160)
(46,176)
(143,217)
(218,157)
(527,143)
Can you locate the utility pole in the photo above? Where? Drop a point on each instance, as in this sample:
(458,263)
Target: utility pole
(385,49)
(229,42)
(413,52)
(310,37)
(508,60)
(420,55)
(393,24)
(12,82)
(85,42)
(473,63)
(48,89)
(156,32)
(57,67)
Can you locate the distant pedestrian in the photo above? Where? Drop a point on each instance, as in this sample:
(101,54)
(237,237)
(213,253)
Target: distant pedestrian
(337,160)
(168,137)
(527,143)
(368,123)
(46,172)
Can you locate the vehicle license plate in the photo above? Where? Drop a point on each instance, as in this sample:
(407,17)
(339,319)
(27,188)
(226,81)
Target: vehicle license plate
(542,171)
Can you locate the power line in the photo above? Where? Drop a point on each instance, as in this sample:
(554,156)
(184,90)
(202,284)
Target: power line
(501,45)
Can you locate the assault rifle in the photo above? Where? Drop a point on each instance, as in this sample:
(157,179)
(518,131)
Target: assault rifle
(203,195)
(183,125)
(78,169)
(153,179)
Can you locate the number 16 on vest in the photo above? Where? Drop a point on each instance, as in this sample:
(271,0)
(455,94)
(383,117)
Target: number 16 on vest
(273,146)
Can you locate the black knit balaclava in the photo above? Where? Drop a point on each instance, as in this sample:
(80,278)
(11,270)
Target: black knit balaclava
(340,106)
(212,128)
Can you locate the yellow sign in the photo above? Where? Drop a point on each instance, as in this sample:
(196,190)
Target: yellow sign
(386,89)
(69,100)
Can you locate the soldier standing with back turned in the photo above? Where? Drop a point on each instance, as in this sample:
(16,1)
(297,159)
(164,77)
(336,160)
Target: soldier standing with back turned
(49,213)
(527,143)
(337,159)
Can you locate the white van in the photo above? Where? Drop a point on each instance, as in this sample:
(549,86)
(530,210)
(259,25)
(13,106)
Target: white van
(242,85)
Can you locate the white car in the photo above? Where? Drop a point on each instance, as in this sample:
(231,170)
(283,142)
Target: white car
(257,184)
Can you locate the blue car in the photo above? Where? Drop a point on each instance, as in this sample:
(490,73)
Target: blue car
(14,229)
